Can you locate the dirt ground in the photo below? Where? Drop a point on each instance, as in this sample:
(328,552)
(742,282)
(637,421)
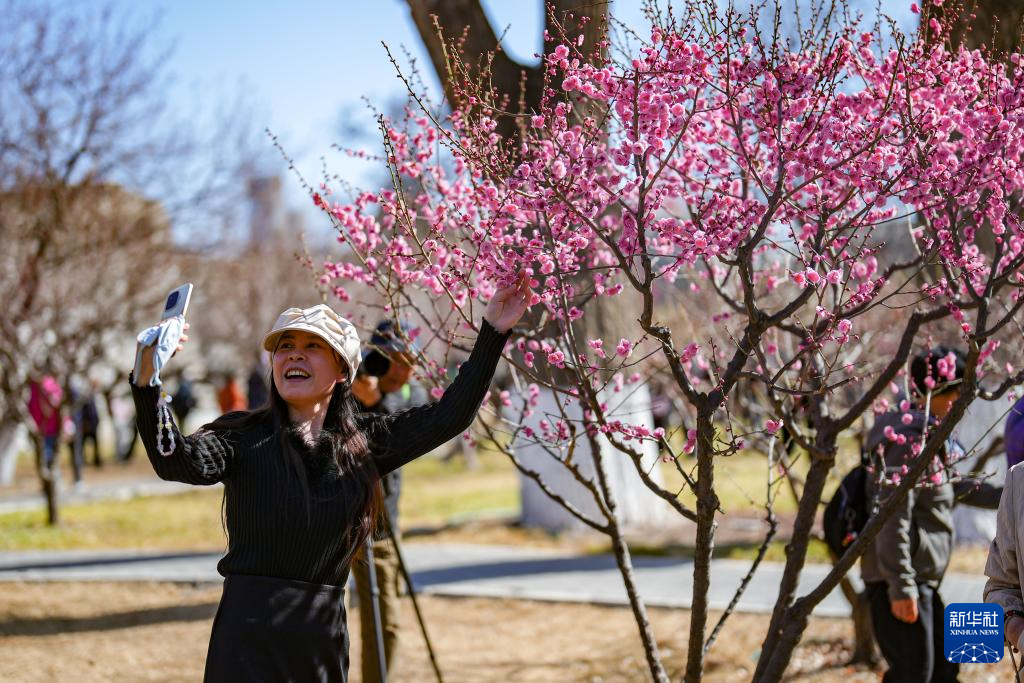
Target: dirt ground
(158,632)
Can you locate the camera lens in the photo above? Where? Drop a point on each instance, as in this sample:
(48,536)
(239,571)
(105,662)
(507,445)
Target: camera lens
(171,301)
(376,364)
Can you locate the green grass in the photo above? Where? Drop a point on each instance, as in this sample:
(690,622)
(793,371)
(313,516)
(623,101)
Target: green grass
(433,493)
(183,521)
(817,551)
(741,480)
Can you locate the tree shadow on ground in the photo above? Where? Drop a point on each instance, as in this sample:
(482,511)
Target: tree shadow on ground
(732,550)
(426,578)
(53,625)
(93,562)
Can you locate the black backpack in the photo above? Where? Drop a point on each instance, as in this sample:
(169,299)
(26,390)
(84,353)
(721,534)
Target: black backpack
(848,511)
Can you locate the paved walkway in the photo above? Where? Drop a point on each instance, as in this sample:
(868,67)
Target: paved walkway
(92,492)
(483,571)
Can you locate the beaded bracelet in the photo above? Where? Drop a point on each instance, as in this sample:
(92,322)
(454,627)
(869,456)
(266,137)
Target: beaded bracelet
(163,423)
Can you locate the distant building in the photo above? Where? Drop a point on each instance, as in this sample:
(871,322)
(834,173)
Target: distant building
(295,222)
(267,211)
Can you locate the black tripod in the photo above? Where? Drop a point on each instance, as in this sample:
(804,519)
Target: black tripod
(378,626)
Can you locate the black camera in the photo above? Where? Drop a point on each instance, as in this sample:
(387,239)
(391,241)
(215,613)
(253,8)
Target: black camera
(383,342)
(375,364)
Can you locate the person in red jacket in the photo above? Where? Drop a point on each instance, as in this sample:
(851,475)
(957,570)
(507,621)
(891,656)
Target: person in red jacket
(44,401)
(230,396)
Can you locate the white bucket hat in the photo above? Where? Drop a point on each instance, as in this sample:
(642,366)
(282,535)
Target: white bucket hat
(321,320)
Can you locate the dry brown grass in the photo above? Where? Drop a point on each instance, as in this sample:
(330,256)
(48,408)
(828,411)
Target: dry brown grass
(159,632)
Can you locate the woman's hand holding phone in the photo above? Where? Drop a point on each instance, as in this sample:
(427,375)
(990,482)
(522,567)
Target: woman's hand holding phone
(172,322)
(144,354)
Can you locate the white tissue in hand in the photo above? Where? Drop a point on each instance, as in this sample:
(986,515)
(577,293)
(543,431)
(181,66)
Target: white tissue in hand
(165,337)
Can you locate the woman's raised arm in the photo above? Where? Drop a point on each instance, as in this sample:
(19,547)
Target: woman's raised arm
(404,436)
(401,437)
(203,458)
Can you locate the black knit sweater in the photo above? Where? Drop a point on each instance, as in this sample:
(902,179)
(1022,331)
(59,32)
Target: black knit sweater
(271,531)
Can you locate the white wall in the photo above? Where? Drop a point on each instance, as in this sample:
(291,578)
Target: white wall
(637,505)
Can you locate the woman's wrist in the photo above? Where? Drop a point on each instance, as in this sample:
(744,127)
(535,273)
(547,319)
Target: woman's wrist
(492,325)
(494,328)
(143,366)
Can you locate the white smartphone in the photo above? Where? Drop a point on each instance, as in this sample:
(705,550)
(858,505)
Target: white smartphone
(177,302)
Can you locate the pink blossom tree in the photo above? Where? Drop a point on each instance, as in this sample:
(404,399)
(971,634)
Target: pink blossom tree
(791,219)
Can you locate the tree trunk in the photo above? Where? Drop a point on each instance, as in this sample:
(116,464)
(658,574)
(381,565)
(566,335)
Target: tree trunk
(9,432)
(47,481)
(796,554)
(465,21)
(50,491)
(636,603)
(625,563)
(996,24)
(707,505)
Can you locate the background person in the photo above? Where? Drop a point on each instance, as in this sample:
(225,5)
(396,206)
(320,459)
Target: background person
(1013,434)
(394,390)
(184,400)
(86,417)
(256,385)
(44,407)
(230,397)
(903,568)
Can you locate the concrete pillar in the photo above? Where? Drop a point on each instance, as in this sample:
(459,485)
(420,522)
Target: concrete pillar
(637,505)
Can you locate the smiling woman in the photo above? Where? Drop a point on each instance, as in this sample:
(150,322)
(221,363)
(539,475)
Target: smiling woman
(312,353)
(302,484)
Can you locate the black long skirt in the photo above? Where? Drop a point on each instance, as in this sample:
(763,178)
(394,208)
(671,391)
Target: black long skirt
(269,629)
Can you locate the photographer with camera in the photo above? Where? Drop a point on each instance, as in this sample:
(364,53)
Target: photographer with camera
(384,385)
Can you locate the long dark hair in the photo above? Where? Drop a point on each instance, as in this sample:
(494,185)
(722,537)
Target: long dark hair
(347,444)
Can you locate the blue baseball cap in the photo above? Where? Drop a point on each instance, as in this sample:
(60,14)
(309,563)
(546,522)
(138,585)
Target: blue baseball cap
(388,338)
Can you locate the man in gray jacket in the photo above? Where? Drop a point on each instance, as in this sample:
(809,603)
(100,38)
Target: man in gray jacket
(906,563)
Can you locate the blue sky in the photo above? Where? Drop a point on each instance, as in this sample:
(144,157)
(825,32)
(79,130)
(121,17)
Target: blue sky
(301,63)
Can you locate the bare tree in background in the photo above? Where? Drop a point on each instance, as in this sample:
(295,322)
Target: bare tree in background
(233,304)
(93,173)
